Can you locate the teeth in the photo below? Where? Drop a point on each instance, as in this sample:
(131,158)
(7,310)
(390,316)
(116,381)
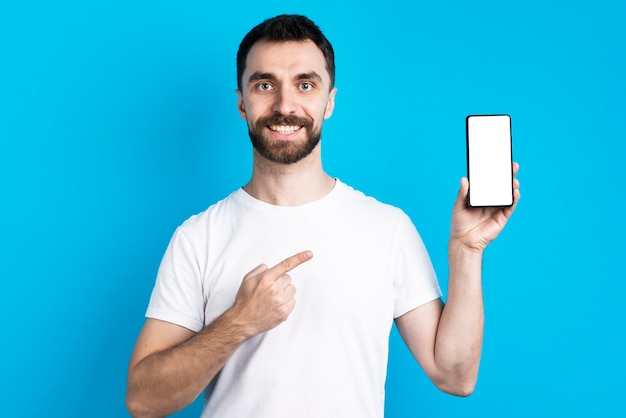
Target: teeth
(284,129)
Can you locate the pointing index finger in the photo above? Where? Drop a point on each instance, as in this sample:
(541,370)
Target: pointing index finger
(292,262)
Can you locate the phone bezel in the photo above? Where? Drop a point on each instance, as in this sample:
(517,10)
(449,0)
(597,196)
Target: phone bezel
(467,121)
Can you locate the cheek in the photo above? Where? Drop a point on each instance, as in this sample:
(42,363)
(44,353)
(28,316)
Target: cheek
(317,109)
(253,109)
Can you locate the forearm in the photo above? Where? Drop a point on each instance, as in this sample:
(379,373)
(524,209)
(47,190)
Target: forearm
(167,381)
(460,333)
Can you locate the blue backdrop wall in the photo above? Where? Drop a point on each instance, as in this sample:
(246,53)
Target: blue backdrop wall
(118,121)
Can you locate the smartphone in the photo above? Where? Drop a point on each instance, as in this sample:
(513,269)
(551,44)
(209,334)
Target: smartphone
(489,160)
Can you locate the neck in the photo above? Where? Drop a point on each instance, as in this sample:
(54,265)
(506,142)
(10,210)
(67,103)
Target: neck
(289,184)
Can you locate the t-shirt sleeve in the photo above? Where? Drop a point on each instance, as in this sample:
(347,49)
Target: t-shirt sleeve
(177,296)
(415,281)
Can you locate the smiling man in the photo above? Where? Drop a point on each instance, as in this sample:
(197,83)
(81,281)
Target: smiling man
(285,107)
(223,316)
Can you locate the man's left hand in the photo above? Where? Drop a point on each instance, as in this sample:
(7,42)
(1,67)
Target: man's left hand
(475,228)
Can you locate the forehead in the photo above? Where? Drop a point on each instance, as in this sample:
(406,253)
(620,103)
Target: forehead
(286,59)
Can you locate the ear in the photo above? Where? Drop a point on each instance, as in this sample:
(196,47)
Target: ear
(240,104)
(330,104)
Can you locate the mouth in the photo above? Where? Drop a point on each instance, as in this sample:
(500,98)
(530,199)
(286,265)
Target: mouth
(284,129)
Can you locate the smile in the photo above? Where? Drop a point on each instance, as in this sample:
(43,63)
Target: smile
(285,129)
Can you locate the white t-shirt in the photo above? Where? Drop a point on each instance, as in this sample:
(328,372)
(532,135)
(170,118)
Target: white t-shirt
(329,358)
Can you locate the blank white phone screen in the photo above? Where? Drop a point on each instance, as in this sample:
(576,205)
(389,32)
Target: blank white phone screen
(489,159)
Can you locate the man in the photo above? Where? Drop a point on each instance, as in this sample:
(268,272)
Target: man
(223,316)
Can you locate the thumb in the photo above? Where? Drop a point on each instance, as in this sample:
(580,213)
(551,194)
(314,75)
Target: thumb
(461,197)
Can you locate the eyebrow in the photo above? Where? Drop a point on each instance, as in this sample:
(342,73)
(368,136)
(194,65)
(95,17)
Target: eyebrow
(309,76)
(258,75)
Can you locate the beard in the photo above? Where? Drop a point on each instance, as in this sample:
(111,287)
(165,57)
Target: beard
(283,152)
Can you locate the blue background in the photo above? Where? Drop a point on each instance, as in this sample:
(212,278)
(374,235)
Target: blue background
(118,120)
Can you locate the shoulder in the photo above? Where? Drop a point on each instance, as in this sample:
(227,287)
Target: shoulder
(217,214)
(367,205)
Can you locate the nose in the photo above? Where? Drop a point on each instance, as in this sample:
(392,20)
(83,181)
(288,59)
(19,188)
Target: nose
(285,102)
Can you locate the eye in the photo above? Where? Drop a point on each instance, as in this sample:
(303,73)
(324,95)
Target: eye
(306,86)
(264,86)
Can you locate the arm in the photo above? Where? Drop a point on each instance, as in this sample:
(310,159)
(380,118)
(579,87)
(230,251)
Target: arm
(447,340)
(171,365)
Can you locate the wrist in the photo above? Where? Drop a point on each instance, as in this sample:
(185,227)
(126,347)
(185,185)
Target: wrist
(458,247)
(236,325)
(465,266)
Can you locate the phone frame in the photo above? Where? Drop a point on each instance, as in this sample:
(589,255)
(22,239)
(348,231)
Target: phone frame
(467,141)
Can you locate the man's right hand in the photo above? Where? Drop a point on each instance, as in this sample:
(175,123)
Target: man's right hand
(266,295)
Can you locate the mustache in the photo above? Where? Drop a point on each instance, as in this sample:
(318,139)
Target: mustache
(279,119)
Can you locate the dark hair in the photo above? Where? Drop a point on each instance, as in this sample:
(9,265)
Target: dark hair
(286,28)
